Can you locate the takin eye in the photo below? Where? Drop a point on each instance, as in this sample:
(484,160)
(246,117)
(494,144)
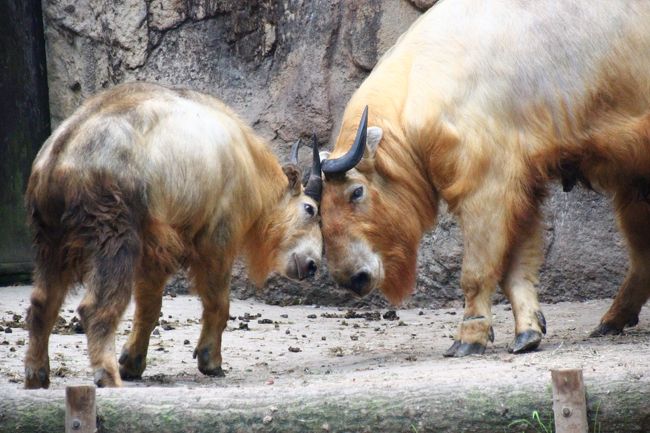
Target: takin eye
(356,194)
(309,209)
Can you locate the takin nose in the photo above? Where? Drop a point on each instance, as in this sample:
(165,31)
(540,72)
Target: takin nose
(311,268)
(305,268)
(359,282)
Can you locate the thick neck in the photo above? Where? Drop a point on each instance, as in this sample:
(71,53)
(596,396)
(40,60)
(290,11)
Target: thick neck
(263,239)
(400,160)
(399,165)
(263,244)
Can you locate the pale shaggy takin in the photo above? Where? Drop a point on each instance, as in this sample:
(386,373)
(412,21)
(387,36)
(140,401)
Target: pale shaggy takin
(480,104)
(140,181)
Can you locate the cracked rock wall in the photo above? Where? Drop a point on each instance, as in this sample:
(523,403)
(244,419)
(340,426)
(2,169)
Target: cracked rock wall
(288,67)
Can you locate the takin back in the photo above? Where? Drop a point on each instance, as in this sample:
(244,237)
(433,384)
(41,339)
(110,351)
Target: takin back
(481,104)
(140,181)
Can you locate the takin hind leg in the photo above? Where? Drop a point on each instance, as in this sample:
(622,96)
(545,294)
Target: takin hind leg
(109,285)
(519,284)
(634,220)
(47,297)
(149,286)
(212,283)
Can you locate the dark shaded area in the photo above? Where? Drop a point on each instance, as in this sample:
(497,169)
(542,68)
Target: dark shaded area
(24,125)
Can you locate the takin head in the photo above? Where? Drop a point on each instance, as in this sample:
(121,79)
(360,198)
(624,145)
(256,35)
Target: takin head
(372,211)
(291,241)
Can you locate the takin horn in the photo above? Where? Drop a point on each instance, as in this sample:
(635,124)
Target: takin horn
(314,185)
(337,167)
(293,159)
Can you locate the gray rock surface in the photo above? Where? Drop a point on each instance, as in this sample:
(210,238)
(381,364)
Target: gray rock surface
(288,67)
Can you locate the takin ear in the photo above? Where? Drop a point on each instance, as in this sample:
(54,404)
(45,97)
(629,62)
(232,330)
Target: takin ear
(373,137)
(293,174)
(323,155)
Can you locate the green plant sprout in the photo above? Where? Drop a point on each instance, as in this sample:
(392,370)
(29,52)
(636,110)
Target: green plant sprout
(539,427)
(537,424)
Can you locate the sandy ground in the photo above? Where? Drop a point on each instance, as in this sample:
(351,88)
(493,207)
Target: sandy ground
(306,346)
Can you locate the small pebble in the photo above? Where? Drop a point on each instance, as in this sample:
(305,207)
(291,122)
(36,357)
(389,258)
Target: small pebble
(390,315)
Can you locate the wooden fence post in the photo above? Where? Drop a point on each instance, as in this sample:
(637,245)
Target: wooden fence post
(80,410)
(569,401)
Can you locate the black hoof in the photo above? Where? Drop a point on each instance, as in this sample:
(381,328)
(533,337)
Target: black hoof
(526,342)
(35,380)
(204,363)
(131,368)
(213,372)
(633,321)
(541,321)
(103,379)
(459,349)
(605,329)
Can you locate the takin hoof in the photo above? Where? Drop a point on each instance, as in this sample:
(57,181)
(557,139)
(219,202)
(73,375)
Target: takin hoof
(526,341)
(459,349)
(541,321)
(608,328)
(104,379)
(37,379)
(213,372)
(205,365)
(131,368)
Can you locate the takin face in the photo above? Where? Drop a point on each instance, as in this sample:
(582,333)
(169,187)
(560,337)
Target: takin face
(371,223)
(300,248)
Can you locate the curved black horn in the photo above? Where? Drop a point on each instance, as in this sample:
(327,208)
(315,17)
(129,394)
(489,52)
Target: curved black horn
(294,153)
(314,185)
(338,166)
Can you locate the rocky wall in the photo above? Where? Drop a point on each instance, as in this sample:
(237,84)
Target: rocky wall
(288,67)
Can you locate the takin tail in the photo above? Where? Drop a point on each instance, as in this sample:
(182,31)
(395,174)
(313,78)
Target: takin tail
(80,221)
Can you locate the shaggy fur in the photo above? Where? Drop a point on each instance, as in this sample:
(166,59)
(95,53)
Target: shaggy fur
(140,181)
(481,105)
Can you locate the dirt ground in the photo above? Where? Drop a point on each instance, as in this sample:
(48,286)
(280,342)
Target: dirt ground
(288,347)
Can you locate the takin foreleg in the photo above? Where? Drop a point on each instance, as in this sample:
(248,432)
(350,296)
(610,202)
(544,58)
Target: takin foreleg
(484,247)
(634,221)
(162,250)
(492,220)
(519,286)
(212,283)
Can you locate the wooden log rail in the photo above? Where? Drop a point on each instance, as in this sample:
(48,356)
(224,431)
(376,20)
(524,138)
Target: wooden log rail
(622,406)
